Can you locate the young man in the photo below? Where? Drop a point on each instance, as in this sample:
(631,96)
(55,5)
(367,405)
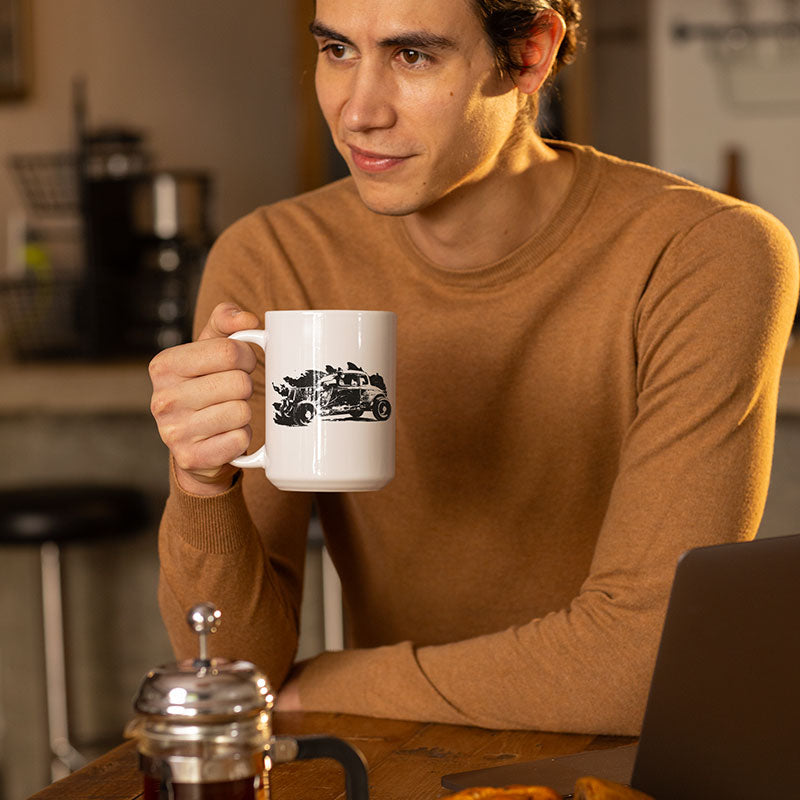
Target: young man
(599,345)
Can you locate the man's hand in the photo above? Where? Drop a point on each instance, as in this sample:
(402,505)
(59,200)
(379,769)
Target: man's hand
(200,393)
(288,698)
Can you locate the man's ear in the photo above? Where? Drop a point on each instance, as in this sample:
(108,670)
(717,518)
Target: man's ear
(538,51)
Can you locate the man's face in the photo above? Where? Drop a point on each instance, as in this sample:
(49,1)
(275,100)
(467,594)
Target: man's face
(412,96)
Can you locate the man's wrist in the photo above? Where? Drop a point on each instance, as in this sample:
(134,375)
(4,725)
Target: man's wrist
(206,487)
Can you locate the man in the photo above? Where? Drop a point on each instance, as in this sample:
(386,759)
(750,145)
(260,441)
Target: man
(628,330)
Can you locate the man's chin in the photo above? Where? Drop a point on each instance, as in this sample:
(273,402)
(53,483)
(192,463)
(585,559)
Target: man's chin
(390,204)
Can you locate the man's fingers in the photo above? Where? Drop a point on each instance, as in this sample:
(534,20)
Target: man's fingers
(209,390)
(228,318)
(208,456)
(195,359)
(173,402)
(220,418)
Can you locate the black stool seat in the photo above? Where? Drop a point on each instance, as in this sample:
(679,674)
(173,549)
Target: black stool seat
(62,513)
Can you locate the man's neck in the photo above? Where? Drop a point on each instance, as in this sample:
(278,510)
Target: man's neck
(482,222)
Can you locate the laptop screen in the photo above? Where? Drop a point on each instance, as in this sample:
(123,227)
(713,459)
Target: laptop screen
(723,715)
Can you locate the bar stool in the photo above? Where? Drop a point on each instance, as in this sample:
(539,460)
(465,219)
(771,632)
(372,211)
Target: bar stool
(51,516)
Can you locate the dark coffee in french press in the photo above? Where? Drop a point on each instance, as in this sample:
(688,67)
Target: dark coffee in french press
(204,729)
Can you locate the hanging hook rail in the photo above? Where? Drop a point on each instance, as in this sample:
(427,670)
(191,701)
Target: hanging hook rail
(745,31)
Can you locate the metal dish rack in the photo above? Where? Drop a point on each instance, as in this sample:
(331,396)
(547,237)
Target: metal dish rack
(48,181)
(43,313)
(42,318)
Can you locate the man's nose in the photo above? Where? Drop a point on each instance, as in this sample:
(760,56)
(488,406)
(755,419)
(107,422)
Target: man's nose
(370,103)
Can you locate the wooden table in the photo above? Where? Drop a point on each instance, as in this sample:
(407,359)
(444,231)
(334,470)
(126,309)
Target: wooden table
(406,760)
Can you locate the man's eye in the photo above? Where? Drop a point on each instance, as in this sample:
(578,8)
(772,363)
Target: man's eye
(412,57)
(336,51)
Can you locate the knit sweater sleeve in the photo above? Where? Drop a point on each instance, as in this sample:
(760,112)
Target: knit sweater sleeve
(710,331)
(244,549)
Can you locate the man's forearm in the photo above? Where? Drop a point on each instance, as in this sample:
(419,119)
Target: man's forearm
(210,550)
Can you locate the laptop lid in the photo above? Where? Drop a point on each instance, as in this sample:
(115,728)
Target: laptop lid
(723,715)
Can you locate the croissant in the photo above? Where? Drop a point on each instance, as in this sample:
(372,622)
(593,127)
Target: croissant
(585,789)
(507,793)
(598,789)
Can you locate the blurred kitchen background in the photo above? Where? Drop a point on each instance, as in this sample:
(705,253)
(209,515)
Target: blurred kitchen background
(131,133)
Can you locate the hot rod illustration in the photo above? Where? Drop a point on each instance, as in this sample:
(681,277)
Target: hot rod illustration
(337,393)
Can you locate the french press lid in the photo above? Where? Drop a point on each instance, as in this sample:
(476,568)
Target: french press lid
(204,689)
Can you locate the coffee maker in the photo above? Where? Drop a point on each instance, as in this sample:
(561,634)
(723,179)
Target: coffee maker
(172,237)
(147,235)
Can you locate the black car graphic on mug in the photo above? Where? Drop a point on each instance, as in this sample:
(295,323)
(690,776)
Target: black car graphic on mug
(337,393)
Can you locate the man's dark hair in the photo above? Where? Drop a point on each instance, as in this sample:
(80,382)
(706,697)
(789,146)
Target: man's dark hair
(508,22)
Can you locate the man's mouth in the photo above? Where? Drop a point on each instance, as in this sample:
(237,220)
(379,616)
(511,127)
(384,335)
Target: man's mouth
(368,161)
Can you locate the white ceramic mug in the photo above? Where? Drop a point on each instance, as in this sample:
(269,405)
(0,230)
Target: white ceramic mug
(330,399)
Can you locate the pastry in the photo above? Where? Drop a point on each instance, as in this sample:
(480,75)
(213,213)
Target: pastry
(507,793)
(598,789)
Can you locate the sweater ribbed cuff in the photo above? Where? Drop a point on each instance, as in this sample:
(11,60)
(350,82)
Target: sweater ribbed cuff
(381,682)
(216,524)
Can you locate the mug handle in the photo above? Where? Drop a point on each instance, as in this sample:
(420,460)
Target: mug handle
(297,748)
(259,458)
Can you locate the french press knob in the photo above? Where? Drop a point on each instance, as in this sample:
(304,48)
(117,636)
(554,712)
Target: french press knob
(203,728)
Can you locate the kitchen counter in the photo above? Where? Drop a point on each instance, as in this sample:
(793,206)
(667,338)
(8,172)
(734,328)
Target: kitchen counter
(124,387)
(75,388)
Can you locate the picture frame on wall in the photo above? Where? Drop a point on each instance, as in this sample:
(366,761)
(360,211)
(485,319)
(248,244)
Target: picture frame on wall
(14,73)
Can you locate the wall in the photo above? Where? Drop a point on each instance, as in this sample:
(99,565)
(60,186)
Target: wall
(615,68)
(695,118)
(782,512)
(697,114)
(210,83)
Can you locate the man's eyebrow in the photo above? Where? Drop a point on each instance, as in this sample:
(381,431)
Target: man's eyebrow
(416,40)
(421,40)
(322,31)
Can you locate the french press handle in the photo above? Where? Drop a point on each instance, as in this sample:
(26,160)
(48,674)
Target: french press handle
(300,748)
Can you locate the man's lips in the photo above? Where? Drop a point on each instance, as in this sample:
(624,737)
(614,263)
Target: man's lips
(375,162)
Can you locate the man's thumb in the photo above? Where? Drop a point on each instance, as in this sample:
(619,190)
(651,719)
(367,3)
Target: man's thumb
(227,318)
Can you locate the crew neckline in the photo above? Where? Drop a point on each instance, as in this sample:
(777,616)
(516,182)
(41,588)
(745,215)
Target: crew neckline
(532,252)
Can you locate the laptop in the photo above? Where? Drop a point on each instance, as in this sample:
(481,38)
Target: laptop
(723,714)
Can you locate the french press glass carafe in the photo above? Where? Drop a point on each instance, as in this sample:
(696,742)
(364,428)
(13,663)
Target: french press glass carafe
(204,729)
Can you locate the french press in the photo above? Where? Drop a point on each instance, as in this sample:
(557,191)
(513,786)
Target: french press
(204,729)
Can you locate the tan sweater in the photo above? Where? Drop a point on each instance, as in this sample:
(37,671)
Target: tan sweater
(569,420)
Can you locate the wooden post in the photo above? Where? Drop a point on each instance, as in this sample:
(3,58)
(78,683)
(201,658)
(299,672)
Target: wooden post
(312,169)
